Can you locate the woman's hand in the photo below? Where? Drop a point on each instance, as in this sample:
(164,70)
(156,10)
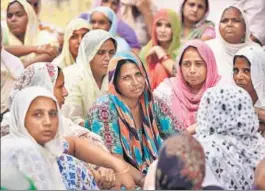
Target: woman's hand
(192,129)
(47,49)
(126,180)
(144,6)
(156,50)
(105,178)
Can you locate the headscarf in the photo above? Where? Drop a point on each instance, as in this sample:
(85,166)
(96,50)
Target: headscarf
(157,76)
(227,128)
(109,13)
(224,51)
(184,103)
(18,132)
(151,138)
(66,58)
(33,36)
(181,164)
(83,75)
(200,27)
(256,56)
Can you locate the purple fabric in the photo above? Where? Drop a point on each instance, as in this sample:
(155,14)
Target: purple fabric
(123,30)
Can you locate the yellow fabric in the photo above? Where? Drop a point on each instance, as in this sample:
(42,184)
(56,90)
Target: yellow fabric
(65,58)
(33,36)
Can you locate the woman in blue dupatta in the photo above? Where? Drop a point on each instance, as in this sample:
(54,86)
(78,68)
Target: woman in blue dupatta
(131,121)
(104,18)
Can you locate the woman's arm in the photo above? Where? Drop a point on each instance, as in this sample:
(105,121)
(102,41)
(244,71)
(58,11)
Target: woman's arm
(21,50)
(95,155)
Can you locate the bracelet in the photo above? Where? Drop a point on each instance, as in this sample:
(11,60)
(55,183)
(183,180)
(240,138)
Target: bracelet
(164,58)
(124,172)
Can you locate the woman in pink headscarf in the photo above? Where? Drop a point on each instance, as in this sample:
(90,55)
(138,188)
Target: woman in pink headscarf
(196,72)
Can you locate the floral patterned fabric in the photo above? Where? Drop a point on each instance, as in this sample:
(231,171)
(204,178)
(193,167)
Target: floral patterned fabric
(74,172)
(112,119)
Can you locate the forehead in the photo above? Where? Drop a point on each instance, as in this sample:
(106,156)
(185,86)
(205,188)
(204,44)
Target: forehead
(242,61)
(80,31)
(112,1)
(163,21)
(231,12)
(199,2)
(108,44)
(129,68)
(191,53)
(43,103)
(99,16)
(14,7)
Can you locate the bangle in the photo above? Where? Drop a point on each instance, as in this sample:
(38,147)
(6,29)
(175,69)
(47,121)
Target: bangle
(164,58)
(123,172)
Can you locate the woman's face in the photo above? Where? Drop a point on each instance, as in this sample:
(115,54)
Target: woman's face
(42,120)
(113,4)
(17,19)
(242,75)
(131,82)
(193,68)
(232,26)
(59,90)
(194,10)
(100,62)
(163,31)
(100,21)
(75,41)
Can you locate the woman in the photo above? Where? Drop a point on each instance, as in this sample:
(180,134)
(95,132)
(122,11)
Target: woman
(197,71)
(74,32)
(23,37)
(36,128)
(249,73)
(178,171)
(11,69)
(130,120)
(228,131)
(232,34)
(260,176)
(86,80)
(123,29)
(109,19)
(163,46)
(193,20)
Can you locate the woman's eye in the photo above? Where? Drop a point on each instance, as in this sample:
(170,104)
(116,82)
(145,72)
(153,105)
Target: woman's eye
(54,113)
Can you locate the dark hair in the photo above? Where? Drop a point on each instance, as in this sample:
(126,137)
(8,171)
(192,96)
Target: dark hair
(180,60)
(117,72)
(59,70)
(241,56)
(182,9)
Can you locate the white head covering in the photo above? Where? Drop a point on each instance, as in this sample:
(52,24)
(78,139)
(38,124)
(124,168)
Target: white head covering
(52,149)
(228,131)
(66,59)
(80,75)
(256,58)
(224,51)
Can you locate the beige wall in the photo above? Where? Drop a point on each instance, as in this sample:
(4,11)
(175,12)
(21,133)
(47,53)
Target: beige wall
(54,14)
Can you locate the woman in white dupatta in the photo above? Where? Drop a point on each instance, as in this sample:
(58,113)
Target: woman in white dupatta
(73,35)
(39,162)
(87,79)
(232,34)
(249,73)
(23,38)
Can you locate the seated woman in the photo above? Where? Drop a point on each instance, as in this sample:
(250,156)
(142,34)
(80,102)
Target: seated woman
(86,80)
(11,69)
(249,73)
(163,46)
(197,71)
(74,32)
(123,29)
(35,144)
(228,131)
(193,20)
(131,121)
(232,34)
(23,37)
(104,18)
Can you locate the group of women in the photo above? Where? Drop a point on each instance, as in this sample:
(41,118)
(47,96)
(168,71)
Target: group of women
(185,111)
